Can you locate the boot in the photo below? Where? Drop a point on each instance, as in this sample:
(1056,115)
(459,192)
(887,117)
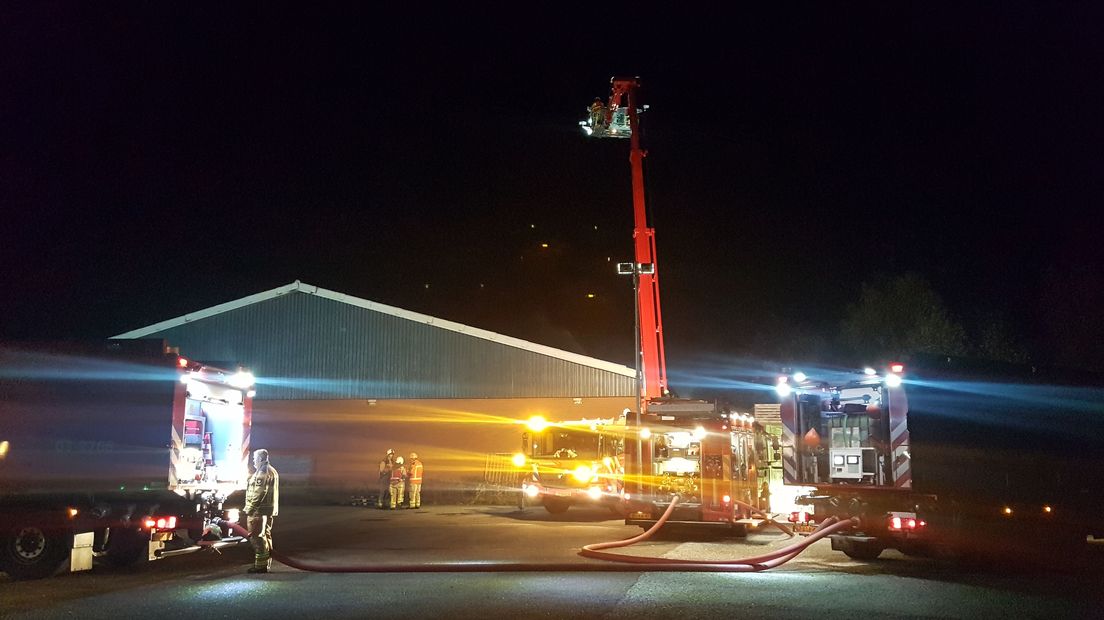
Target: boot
(258,569)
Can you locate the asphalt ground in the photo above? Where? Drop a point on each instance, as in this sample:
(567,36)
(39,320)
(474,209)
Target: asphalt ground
(820,583)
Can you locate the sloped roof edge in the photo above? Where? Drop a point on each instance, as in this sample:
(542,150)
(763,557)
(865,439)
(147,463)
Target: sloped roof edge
(309,289)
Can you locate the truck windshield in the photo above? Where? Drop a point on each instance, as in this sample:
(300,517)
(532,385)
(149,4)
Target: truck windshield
(568,443)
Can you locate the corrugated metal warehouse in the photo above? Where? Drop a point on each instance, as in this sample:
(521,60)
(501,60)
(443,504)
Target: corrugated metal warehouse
(341,379)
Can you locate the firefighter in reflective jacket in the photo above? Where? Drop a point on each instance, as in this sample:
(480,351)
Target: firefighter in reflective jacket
(262,504)
(385,467)
(398,475)
(415,478)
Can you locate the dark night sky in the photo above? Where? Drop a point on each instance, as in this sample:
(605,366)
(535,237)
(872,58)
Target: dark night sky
(159,159)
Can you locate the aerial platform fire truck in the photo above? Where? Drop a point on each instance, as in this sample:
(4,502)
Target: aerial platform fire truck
(572,463)
(710,457)
(968,459)
(120,449)
(952,456)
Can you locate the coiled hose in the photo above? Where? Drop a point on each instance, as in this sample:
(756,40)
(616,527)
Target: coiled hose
(620,563)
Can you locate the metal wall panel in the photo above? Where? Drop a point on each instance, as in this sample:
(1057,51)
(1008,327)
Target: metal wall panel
(303,346)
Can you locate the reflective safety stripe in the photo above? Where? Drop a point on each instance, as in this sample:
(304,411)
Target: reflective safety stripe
(416,473)
(788,415)
(899,437)
(397,473)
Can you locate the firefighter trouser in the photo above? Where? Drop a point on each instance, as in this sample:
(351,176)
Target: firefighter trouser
(260,536)
(385,483)
(396,492)
(415,494)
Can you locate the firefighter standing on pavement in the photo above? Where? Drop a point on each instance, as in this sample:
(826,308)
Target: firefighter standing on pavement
(262,504)
(398,478)
(415,478)
(385,467)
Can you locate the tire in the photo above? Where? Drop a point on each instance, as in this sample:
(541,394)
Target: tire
(865,551)
(556,506)
(126,547)
(30,552)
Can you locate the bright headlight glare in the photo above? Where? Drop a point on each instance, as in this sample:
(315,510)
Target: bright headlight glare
(594,493)
(645,433)
(699,433)
(241,379)
(783,389)
(893,380)
(519,460)
(537,423)
(531,491)
(583,473)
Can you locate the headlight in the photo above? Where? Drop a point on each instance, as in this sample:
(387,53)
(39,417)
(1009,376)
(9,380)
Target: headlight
(594,493)
(241,379)
(583,473)
(699,433)
(531,490)
(519,460)
(645,433)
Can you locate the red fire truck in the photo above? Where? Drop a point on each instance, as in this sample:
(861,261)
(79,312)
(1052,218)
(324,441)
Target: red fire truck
(121,450)
(696,449)
(709,457)
(953,456)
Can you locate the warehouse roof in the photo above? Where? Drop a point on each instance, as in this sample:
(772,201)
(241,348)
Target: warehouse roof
(301,287)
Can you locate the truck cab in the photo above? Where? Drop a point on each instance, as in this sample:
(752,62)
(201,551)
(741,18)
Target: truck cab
(571,463)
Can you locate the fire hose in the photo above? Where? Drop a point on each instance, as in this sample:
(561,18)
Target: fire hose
(756,563)
(622,563)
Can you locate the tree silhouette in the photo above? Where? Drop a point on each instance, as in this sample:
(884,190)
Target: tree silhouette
(900,316)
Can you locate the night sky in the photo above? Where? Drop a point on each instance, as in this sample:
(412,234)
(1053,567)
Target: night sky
(158,159)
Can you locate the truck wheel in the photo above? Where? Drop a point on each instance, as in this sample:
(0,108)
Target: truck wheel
(126,547)
(864,550)
(30,552)
(556,506)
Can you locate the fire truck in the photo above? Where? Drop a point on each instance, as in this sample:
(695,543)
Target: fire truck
(946,456)
(122,450)
(709,456)
(571,463)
